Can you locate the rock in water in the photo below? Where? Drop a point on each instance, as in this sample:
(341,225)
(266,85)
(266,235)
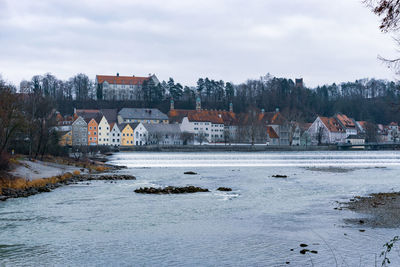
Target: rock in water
(190,172)
(224,189)
(170,190)
(279,176)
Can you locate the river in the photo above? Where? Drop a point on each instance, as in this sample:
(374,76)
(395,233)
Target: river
(261,222)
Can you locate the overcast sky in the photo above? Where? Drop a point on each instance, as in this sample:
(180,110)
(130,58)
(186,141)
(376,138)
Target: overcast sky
(323,41)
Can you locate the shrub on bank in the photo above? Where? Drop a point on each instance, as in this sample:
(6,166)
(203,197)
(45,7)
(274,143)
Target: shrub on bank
(4,161)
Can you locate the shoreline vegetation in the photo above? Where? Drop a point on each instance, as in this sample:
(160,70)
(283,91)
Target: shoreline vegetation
(12,186)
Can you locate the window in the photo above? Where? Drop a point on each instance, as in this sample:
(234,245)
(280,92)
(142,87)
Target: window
(90,138)
(99,128)
(113,134)
(94,133)
(90,127)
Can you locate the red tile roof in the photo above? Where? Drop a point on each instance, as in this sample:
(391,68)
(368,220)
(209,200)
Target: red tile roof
(213,116)
(271,132)
(121,79)
(345,121)
(332,124)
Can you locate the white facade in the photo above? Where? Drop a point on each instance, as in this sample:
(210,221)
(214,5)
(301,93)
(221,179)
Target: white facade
(208,131)
(140,135)
(103,132)
(327,136)
(115,136)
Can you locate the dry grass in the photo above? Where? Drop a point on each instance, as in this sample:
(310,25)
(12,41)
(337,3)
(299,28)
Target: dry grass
(101,168)
(76,172)
(20,183)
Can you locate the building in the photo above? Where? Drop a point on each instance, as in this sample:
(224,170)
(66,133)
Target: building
(272,136)
(327,130)
(115,135)
(110,114)
(206,125)
(355,139)
(145,115)
(161,134)
(92,134)
(299,83)
(103,132)
(122,87)
(279,123)
(127,131)
(347,124)
(79,132)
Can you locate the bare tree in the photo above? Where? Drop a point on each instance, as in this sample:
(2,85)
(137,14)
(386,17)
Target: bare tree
(201,137)
(371,132)
(187,138)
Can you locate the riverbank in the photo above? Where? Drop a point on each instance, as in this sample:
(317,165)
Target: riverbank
(29,177)
(376,210)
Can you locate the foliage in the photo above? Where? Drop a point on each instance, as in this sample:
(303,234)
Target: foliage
(388,247)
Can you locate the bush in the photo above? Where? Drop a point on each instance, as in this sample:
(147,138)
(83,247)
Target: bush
(76,172)
(4,161)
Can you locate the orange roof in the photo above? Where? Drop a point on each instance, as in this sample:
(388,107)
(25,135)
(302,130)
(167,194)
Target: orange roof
(332,124)
(213,116)
(271,132)
(345,121)
(121,79)
(362,123)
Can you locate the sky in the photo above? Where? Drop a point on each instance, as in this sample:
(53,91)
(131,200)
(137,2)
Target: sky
(322,41)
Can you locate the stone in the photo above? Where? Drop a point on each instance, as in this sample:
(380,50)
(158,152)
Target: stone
(170,190)
(224,189)
(279,176)
(190,173)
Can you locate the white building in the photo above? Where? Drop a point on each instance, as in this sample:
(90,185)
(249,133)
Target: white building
(163,134)
(206,125)
(122,87)
(104,132)
(140,135)
(115,135)
(326,130)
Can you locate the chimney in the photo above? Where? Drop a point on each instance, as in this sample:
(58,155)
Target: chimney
(230,107)
(198,104)
(172,107)
(133,75)
(117,74)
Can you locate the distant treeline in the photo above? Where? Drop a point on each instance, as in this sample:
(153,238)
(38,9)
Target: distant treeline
(366,99)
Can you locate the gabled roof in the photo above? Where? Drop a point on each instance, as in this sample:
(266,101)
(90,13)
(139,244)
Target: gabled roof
(110,114)
(87,113)
(271,132)
(332,124)
(345,121)
(142,113)
(213,116)
(393,124)
(121,79)
(131,124)
(88,120)
(275,118)
(162,128)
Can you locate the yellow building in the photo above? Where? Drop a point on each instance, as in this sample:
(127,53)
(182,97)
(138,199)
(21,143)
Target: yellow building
(65,138)
(127,133)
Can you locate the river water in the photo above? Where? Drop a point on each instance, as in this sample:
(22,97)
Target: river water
(260,223)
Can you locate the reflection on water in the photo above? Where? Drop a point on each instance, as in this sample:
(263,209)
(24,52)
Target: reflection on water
(260,222)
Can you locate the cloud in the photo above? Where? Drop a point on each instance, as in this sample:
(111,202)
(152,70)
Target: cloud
(323,41)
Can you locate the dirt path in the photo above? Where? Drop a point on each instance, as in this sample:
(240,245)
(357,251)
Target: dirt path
(39,169)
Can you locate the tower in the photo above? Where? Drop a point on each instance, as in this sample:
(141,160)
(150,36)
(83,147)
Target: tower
(198,104)
(171,107)
(230,107)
